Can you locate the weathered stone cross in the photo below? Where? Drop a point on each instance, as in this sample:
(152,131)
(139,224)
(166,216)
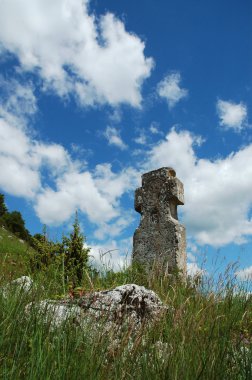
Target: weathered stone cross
(160,239)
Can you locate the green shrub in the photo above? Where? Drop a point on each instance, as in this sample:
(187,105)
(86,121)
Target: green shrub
(75,254)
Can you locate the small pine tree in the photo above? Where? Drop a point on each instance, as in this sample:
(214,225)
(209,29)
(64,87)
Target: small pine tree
(3,208)
(75,254)
(45,251)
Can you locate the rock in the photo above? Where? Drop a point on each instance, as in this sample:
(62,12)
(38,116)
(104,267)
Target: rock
(127,305)
(56,312)
(23,283)
(126,302)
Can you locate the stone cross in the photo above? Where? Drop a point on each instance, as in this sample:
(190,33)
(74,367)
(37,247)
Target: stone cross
(160,239)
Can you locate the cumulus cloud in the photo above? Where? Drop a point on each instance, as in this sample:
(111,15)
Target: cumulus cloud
(74,51)
(114,185)
(232,115)
(22,158)
(18,164)
(244,274)
(28,165)
(218,194)
(113,136)
(96,194)
(74,190)
(169,89)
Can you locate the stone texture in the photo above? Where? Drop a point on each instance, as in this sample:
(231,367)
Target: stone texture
(126,302)
(126,305)
(160,240)
(56,313)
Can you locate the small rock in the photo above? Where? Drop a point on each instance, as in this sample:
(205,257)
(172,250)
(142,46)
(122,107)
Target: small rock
(23,283)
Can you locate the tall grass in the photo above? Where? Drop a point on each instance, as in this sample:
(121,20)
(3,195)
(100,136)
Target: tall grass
(206,334)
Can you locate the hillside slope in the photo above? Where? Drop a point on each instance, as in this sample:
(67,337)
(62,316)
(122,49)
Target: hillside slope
(14,256)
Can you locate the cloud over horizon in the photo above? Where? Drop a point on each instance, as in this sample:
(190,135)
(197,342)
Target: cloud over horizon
(217,192)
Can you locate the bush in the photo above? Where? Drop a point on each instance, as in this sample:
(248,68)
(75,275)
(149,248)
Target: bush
(15,223)
(75,254)
(46,251)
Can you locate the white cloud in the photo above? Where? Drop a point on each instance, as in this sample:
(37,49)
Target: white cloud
(191,257)
(169,88)
(18,102)
(245,274)
(74,190)
(141,139)
(53,156)
(74,51)
(116,227)
(112,254)
(19,174)
(22,158)
(27,165)
(194,270)
(95,194)
(218,194)
(154,128)
(113,136)
(232,115)
(115,184)
(18,179)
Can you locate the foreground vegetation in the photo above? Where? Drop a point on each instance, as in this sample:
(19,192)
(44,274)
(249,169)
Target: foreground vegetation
(205,334)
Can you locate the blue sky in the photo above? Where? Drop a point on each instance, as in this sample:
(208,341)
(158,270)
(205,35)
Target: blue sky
(94,93)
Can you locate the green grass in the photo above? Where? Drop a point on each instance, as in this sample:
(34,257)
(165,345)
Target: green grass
(202,337)
(207,334)
(14,256)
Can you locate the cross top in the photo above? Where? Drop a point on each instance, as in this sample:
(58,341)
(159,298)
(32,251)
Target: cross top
(160,194)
